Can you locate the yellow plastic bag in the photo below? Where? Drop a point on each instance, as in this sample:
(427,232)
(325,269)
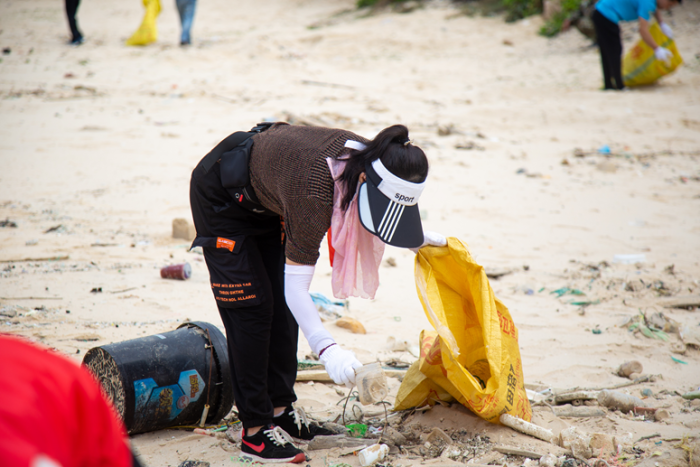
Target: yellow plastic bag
(148,31)
(417,389)
(640,66)
(473,353)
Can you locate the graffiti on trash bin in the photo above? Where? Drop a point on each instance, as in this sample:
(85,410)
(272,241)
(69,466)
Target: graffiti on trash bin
(166,402)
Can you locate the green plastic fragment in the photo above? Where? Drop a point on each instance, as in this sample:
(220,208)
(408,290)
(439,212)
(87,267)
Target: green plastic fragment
(660,335)
(585,303)
(691,395)
(357,430)
(678,360)
(565,290)
(309,365)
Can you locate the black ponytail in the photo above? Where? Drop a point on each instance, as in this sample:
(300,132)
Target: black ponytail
(398,155)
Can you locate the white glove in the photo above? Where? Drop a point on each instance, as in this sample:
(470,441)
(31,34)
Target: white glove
(431,238)
(663,54)
(340,365)
(666,29)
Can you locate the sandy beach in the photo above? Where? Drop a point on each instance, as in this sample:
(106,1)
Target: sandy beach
(549,180)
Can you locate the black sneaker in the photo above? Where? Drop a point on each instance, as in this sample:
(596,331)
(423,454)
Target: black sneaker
(271,445)
(294,422)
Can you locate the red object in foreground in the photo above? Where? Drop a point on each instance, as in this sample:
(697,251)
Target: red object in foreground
(53,409)
(177,271)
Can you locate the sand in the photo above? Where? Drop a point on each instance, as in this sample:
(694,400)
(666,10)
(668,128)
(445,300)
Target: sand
(97,144)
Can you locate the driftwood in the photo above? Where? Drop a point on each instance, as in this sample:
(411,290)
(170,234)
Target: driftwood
(322,377)
(517,452)
(690,301)
(575,396)
(641,379)
(32,260)
(619,400)
(31,298)
(338,441)
(580,412)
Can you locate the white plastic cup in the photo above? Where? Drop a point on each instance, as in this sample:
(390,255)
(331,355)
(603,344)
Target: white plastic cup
(373,454)
(371,383)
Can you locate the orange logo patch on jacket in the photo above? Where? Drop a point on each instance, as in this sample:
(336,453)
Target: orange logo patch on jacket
(225,243)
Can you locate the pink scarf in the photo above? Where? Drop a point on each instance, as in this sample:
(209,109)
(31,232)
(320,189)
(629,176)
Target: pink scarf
(358,253)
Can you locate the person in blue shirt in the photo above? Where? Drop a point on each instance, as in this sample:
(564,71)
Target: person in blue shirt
(607,15)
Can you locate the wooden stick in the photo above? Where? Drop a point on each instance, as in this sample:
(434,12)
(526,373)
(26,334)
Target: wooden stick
(322,377)
(125,290)
(517,452)
(655,435)
(330,85)
(680,302)
(338,441)
(31,298)
(30,260)
(580,412)
(641,379)
(576,395)
(224,98)
(679,439)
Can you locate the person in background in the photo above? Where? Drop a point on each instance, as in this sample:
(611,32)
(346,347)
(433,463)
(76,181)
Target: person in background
(186,10)
(71,11)
(607,15)
(53,412)
(308,181)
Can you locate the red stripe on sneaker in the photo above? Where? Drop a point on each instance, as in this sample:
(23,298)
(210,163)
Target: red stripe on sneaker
(254,447)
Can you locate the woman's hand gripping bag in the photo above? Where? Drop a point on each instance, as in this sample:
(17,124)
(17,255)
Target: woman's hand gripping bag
(640,66)
(473,353)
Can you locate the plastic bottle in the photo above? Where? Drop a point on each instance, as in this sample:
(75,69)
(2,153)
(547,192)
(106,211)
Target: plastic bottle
(618,400)
(373,454)
(371,383)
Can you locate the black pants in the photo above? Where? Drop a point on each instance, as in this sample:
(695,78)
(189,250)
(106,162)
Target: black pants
(610,45)
(244,252)
(71,11)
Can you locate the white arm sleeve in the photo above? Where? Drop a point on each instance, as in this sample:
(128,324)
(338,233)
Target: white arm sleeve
(297,280)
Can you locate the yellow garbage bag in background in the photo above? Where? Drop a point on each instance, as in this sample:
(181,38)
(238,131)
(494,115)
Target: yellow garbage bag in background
(640,66)
(148,31)
(473,354)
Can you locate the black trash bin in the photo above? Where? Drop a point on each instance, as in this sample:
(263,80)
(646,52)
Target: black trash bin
(166,380)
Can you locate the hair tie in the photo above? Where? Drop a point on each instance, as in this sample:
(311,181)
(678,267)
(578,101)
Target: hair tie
(408,141)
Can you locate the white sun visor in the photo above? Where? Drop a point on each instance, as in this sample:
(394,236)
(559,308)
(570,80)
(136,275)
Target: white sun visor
(395,188)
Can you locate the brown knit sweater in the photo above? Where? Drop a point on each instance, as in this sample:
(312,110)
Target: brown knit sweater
(290,176)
